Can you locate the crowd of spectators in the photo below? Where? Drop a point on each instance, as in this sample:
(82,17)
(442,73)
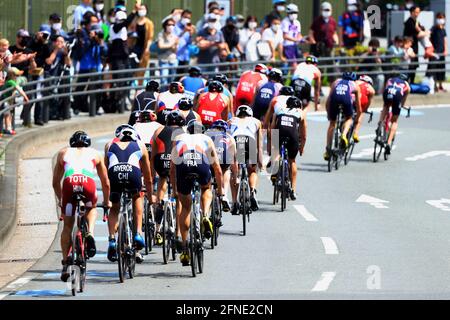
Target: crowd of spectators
(119,40)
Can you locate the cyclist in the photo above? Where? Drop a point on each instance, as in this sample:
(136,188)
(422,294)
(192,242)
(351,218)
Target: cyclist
(193,82)
(226,88)
(194,153)
(266,92)
(278,102)
(167,101)
(186,107)
(77,166)
(127,160)
(146,127)
(160,160)
(344,92)
(395,95)
(290,122)
(214,104)
(247,131)
(248,83)
(226,151)
(305,74)
(144,101)
(365,84)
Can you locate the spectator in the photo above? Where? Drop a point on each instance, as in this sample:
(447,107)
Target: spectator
(410,55)
(231,36)
(23,57)
(439,41)
(145,32)
(5,60)
(175,14)
(184,30)
(80,11)
(210,41)
(168,47)
(111,19)
(240,21)
(249,38)
(56,26)
(274,37)
(396,50)
(351,25)
(279,6)
(99,6)
(373,57)
(292,35)
(213,7)
(414,30)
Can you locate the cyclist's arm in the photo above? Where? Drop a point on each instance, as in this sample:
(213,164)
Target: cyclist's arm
(317,88)
(173,172)
(260,146)
(58,173)
(234,164)
(215,164)
(407,91)
(146,172)
(106,155)
(371,95)
(358,99)
(303,129)
(269,113)
(103,175)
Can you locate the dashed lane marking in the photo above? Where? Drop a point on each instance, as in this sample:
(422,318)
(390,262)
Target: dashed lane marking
(330,246)
(308,216)
(324,283)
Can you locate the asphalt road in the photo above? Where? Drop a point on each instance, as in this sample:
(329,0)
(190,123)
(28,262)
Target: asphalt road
(370,231)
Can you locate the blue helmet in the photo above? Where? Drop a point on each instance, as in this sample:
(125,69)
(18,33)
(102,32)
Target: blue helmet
(220,125)
(351,76)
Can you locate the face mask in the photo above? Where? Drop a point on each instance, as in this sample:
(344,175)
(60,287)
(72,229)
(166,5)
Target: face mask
(239,25)
(275,28)
(440,21)
(57,26)
(112,20)
(326,14)
(170,29)
(23,42)
(281,8)
(185,21)
(211,25)
(293,16)
(142,13)
(352,8)
(252,25)
(176,18)
(99,7)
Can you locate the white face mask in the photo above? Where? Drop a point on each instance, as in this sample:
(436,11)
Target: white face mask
(57,26)
(185,21)
(252,25)
(275,28)
(170,29)
(440,21)
(352,8)
(211,25)
(239,25)
(99,7)
(142,13)
(281,8)
(293,16)
(326,14)
(112,20)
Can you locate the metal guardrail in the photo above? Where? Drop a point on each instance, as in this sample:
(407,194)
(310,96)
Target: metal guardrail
(232,68)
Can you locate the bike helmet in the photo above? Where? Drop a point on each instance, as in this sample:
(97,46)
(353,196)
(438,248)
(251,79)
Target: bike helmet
(185,104)
(294,103)
(366,79)
(176,87)
(220,125)
(152,86)
(147,116)
(287,91)
(244,110)
(261,68)
(175,118)
(276,75)
(80,139)
(126,133)
(223,79)
(195,127)
(312,60)
(195,72)
(215,86)
(351,76)
(403,76)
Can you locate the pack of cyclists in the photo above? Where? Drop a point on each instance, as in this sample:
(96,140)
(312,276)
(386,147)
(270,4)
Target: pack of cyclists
(207,133)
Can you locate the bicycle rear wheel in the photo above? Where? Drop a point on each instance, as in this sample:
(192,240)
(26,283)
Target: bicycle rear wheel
(200,256)
(285,186)
(166,236)
(73,268)
(192,250)
(243,207)
(121,249)
(218,219)
(213,221)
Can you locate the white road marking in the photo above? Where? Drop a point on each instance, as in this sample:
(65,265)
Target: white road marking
(308,216)
(330,246)
(363,153)
(375,202)
(13,286)
(443,204)
(428,155)
(324,282)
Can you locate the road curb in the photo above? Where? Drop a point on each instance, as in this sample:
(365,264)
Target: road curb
(26,142)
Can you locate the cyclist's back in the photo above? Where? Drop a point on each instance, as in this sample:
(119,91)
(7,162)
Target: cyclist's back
(192,85)
(246,88)
(245,132)
(342,94)
(394,94)
(264,96)
(213,105)
(162,154)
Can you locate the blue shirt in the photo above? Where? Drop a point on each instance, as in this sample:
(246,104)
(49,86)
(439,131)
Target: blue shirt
(352,24)
(185,40)
(79,13)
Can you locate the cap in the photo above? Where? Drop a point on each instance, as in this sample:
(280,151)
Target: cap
(211,17)
(351,2)
(278,1)
(16,71)
(326,6)
(54,17)
(45,28)
(240,17)
(23,33)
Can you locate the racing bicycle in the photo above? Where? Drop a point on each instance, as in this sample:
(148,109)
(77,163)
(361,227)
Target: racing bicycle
(282,185)
(244,197)
(196,238)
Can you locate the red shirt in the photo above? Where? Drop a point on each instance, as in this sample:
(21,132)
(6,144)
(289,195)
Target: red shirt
(246,89)
(364,87)
(323,32)
(211,110)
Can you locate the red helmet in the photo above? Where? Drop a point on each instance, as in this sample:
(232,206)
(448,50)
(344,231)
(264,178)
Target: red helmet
(261,68)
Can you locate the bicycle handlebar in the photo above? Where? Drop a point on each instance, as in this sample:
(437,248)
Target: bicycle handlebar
(370,113)
(408,109)
(105,212)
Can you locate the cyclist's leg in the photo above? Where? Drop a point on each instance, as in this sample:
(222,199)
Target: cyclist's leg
(394,126)
(293,170)
(348,114)
(330,132)
(66,236)
(206,199)
(185,219)
(253,176)
(396,110)
(332,112)
(138,210)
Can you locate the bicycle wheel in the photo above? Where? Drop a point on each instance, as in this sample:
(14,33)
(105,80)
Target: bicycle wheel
(121,249)
(83,261)
(150,228)
(218,221)
(244,206)
(73,268)
(131,251)
(378,147)
(165,235)
(173,231)
(213,221)
(145,227)
(284,186)
(192,250)
(200,256)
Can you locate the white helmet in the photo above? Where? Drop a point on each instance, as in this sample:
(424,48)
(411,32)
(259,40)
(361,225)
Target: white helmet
(127,133)
(291,8)
(244,109)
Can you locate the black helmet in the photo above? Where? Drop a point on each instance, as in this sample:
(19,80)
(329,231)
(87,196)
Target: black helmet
(80,139)
(351,76)
(195,72)
(195,127)
(403,76)
(176,87)
(185,104)
(223,79)
(152,86)
(294,103)
(147,116)
(312,60)
(175,118)
(215,86)
(287,91)
(275,75)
